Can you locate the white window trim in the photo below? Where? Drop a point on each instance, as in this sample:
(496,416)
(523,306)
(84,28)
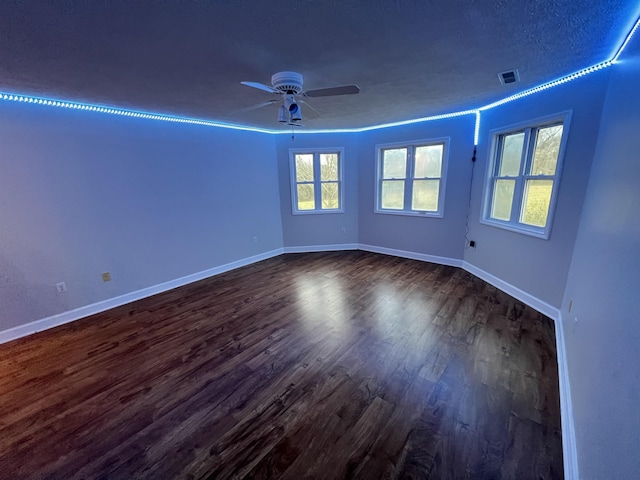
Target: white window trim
(292,176)
(443,176)
(515,226)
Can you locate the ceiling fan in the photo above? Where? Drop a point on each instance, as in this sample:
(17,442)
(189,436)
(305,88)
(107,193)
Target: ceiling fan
(288,87)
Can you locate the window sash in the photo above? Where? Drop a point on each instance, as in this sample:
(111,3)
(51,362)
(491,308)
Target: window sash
(526,162)
(516,220)
(329,182)
(409,179)
(317,183)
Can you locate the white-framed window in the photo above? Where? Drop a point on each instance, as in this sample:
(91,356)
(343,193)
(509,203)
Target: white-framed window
(316,180)
(524,174)
(411,177)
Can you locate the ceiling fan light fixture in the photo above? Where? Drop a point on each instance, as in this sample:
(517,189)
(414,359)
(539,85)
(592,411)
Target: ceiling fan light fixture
(283,114)
(287,82)
(296,112)
(288,85)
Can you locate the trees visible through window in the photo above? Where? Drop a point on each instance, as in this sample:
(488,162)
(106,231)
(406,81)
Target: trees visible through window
(316,181)
(523,177)
(410,178)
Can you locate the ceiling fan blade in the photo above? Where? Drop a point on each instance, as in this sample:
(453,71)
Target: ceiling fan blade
(255,107)
(327,92)
(310,111)
(261,86)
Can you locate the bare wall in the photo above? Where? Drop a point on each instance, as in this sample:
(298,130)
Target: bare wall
(602,329)
(83,193)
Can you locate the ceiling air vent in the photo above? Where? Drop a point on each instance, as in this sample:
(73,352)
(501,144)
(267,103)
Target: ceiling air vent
(511,76)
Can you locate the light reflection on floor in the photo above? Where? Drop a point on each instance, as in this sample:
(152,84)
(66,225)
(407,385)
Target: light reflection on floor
(326,299)
(322,299)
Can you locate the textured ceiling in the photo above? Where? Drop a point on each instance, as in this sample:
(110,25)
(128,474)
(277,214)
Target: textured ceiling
(410,58)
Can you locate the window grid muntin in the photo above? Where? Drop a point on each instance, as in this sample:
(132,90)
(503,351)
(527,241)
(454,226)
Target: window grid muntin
(515,223)
(409,179)
(317,183)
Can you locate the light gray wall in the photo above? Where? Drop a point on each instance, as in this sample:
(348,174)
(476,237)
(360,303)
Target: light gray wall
(537,266)
(326,228)
(442,237)
(84,193)
(602,330)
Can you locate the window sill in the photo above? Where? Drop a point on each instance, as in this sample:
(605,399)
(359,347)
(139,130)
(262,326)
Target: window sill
(410,214)
(530,231)
(317,212)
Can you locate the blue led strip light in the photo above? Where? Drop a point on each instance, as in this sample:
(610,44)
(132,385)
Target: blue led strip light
(626,41)
(384,125)
(209,123)
(11,97)
(545,86)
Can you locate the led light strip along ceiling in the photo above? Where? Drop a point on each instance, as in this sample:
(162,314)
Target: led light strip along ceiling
(126,113)
(12,97)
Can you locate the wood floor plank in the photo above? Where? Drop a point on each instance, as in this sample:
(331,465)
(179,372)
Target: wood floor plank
(326,365)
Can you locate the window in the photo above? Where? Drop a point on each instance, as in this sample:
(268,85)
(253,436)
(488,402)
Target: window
(316,180)
(524,174)
(411,178)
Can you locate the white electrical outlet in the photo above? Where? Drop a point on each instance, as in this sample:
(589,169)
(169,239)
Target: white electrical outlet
(61,287)
(255,239)
(344,229)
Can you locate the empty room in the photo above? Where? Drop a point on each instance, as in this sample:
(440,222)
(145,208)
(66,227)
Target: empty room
(309,239)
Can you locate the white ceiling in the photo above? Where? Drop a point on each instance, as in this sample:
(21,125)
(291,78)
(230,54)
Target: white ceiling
(411,58)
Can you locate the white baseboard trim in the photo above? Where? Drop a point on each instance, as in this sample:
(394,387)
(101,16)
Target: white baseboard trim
(335,247)
(534,302)
(566,408)
(452,262)
(66,317)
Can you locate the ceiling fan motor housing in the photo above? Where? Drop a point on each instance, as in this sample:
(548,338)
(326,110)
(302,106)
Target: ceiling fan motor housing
(287,82)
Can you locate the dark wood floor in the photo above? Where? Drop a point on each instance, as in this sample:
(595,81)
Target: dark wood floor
(329,366)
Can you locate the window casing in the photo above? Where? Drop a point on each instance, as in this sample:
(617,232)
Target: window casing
(411,178)
(316,180)
(524,175)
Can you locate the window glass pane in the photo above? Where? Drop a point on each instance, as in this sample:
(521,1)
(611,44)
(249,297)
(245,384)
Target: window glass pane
(305,197)
(545,155)
(537,197)
(428,161)
(393,194)
(330,196)
(511,155)
(425,195)
(502,199)
(328,166)
(304,167)
(394,163)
